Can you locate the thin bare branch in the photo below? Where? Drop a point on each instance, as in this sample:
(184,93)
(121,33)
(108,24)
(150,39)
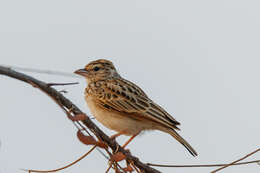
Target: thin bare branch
(202,165)
(232,163)
(59,169)
(62,84)
(109,167)
(41,71)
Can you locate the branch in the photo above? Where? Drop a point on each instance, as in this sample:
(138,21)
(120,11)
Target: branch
(66,103)
(222,166)
(203,165)
(64,167)
(232,163)
(41,71)
(62,84)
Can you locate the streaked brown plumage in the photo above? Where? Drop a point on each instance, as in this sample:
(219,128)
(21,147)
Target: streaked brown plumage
(122,106)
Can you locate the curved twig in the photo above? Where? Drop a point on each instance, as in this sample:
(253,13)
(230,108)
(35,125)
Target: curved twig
(202,165)
(64,167)
(232,163)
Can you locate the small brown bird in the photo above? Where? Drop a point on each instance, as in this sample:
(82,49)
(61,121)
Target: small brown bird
(124,107)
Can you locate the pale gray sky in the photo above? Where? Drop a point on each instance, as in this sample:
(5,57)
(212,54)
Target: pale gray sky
(197,59)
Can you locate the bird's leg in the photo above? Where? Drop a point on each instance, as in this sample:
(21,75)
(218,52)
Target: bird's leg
(129,140)
(119,156)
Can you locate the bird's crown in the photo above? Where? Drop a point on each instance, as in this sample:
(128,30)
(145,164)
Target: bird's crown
(101,63)
(98,70)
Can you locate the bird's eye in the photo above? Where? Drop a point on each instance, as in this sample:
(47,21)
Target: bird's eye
(96,68)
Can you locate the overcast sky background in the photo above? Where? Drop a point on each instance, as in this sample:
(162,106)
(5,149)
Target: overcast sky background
(197,59)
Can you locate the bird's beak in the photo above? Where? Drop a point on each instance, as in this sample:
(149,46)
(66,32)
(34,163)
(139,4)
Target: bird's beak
(81,72)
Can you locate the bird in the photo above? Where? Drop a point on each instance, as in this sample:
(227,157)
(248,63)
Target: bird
(124,107)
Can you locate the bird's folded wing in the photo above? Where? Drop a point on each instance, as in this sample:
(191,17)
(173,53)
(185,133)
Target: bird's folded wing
(131,99)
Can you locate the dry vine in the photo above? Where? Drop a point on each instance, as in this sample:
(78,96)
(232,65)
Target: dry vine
(222,166)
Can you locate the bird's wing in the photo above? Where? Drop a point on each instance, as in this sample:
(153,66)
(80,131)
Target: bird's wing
(124,96)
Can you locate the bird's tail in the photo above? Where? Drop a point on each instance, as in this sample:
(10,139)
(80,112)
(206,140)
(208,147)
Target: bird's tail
(183,142)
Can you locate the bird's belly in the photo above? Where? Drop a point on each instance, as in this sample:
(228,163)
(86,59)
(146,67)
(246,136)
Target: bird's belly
(115,120)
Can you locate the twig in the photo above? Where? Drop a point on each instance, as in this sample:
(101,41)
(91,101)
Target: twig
(62,84)
(109,167)
(135,167)
(202,165)
(61,100)
(232,163)
(59,169)
(50,72)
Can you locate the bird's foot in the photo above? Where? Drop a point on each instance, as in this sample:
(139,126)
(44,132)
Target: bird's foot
(119,156)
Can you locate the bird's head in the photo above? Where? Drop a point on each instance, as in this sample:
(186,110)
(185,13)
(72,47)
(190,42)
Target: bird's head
(98,70)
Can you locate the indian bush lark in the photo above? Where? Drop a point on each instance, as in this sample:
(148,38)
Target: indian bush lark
(122,106)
